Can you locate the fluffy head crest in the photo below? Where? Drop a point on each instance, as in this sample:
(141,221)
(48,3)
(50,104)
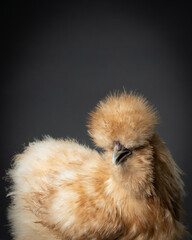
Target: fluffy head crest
(129,119)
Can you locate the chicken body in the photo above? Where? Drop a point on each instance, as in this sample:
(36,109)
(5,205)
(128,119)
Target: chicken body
(60,190)
(63,190)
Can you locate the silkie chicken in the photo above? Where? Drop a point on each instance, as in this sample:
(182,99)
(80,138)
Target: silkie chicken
(132,190)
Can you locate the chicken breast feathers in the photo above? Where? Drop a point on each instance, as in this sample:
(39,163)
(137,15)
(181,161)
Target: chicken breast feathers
(133,190)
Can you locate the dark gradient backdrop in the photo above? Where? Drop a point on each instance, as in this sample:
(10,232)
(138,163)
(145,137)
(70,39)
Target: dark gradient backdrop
(59,59)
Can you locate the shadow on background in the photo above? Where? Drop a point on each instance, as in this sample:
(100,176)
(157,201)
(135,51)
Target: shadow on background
(59,59)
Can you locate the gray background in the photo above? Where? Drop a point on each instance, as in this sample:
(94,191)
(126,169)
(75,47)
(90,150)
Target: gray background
(59,59)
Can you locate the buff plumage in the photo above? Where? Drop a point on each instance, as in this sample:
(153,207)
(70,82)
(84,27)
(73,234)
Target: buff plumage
(64,190)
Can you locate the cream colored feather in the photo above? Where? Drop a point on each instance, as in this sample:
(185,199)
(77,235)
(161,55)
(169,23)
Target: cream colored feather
(63,190)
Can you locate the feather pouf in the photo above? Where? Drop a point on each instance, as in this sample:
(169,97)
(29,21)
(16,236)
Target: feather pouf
(133,190)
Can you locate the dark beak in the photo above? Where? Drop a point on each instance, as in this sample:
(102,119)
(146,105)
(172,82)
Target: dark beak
(120,156)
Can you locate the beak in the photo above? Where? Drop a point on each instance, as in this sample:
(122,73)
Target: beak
(120,155)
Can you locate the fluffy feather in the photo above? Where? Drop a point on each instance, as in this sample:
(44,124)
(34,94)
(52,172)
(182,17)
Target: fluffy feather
(63,190)
(129,118)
